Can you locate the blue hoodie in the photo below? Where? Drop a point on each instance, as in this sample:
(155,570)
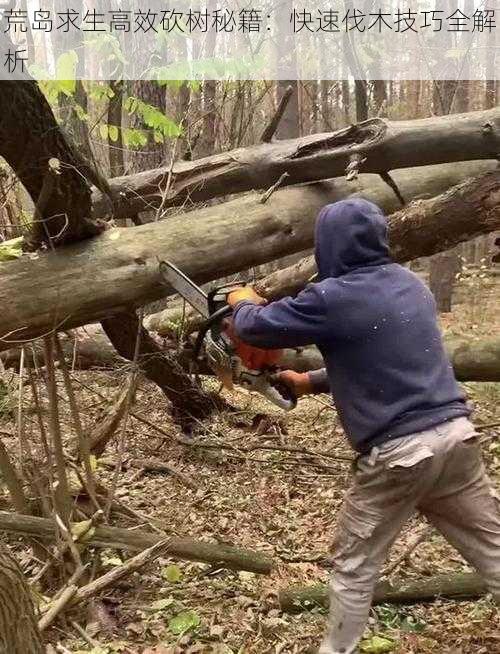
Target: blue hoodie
(375,324)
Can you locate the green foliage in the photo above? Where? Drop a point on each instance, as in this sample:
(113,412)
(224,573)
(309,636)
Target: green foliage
(172,573)
(184,621)
(377,645)
(11,249)
(152,117)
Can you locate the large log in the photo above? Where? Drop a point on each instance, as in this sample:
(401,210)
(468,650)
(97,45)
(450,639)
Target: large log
(92,280)
(472,359)
(416,228)
(135,540)
(459,586)
(378,144)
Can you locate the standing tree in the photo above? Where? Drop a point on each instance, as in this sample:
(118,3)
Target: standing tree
(19,632)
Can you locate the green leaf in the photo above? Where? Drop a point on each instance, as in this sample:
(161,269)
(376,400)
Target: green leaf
(66,72)
(172,573)
(162,604)
(12,249)
(113,133)
(183,622)
(377,645)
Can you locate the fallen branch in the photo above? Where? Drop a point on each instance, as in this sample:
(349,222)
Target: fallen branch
(408,551)
(80,283)
(457,586)
(57,607)
(113,576)
(382,145)
(136,540)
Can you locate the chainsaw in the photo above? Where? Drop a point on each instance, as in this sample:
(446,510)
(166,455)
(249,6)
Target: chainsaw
(233,361)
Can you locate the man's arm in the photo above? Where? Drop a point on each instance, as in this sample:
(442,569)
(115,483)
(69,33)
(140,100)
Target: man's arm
(306,383)
(289,322)
(319,381)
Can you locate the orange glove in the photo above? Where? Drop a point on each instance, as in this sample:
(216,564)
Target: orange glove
(244,293)
(299,382)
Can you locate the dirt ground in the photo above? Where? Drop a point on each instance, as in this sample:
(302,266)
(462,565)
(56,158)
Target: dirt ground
(274,499)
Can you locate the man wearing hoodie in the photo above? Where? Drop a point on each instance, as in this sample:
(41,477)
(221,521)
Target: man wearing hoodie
(402,410)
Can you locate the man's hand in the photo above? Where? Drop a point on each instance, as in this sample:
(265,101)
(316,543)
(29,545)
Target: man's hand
(244,293)
(298,382)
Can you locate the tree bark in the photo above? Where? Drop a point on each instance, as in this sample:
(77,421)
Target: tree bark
(459,586)
(386,145)
(29,138)
(135,540)
(419,230)
(190,404)
(472,360)
(475,360)
(95,279)
(19,632)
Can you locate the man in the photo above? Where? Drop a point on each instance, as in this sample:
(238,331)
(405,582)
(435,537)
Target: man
(396,395)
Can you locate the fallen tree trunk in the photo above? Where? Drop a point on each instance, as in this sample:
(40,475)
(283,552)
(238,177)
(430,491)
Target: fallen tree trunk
(84,349)
(92,280)
(190,403)
(472,359)
(459,586)
(135,540)
(475,359)
(416,228)
(377,144)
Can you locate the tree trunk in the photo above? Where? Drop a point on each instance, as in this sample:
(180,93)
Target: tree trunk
(29,138)
(387,145)
(425,226)
(115,119)
(93,280)
(361,99)
(443,270)
(190,404)
(18,625)
(444,266)
(136,540)
(152,154)
(459,585)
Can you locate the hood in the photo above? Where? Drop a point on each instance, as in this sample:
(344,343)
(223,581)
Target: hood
(350,234)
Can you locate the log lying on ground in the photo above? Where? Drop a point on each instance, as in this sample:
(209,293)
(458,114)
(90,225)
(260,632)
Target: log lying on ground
(135,540)
(459,586)
(88,281)
(472,359)
(84,349)
(417,227)
(379,144)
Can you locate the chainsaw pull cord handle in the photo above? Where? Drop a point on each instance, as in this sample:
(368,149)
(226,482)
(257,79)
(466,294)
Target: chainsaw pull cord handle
(217,316)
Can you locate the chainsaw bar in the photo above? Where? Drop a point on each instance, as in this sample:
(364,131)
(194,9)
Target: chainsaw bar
(181,283)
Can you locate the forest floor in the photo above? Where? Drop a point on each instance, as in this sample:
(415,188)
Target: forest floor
(276,501)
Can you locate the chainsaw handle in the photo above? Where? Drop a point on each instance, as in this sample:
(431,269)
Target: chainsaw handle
(280,394)
(269,387)
(218,316)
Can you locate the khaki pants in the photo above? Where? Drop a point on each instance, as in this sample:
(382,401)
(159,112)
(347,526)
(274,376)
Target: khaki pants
(438,472)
